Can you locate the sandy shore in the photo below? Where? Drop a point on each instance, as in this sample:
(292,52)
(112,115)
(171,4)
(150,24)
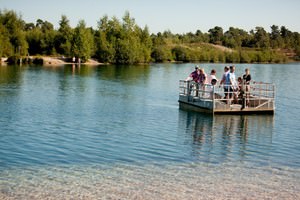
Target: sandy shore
(61,61)
(56,61)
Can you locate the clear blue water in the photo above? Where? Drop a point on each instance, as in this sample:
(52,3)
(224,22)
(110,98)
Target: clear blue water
(86,118)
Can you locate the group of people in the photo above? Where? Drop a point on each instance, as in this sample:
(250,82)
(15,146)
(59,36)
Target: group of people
(233,88)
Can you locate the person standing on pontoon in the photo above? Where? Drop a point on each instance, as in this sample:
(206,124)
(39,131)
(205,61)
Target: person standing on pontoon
(246,81)
(211,77)
(223,81)
(194,76)
(233,84)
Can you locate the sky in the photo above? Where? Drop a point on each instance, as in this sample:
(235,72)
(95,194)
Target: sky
(165,15)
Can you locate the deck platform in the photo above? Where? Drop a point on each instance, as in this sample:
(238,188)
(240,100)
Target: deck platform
(259,98)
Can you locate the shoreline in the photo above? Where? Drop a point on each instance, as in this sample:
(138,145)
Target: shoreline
(52,61)
(48,60)
(57,61)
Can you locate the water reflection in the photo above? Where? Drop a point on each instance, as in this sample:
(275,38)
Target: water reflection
(221,138)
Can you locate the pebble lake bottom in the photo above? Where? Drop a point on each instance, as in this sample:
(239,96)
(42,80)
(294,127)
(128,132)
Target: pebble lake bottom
(112,132)
(123,181)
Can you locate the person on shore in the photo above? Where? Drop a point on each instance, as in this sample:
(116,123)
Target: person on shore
(223,81)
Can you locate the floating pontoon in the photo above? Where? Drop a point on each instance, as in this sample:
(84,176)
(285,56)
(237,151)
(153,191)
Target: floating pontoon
(259,98)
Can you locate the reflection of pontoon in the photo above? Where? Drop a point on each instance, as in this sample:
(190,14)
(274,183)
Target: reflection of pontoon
(260,98)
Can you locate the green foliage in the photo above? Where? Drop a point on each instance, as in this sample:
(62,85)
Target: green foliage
(124,42)
(216,35)
(161,54)
(13,27)
(64,37)
(181,54)
(6,48)
(83,42)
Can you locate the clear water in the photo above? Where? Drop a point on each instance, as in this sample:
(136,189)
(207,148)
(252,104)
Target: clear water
(113,132)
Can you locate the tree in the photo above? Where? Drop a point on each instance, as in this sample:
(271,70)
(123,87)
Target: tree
(64,37)
(275,37)
(215,35)
(106,37)
(234,37)
(14,26)
(161,54)
(41,38)
(261,38)
(35,38)
(146,44)
(6,49)
(287,36)
(83,42)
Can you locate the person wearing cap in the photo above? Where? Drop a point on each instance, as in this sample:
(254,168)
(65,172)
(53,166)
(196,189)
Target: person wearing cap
(194,75)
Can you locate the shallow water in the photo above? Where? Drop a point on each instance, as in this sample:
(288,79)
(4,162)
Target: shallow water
(116,132)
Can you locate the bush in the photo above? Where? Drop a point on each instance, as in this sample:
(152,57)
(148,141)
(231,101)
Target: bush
(38,61)
(14,59)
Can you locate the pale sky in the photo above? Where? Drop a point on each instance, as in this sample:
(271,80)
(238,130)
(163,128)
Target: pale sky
(161,15)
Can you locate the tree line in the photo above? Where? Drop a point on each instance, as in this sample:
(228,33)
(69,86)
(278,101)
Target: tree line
(124,42)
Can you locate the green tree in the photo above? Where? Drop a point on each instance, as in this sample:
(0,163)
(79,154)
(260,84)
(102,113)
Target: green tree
(34,38)
(275,37)
(181,54)
(105,51)
(261,38)
(64,37)
(128,45)
(83,42)
(15,28)
(215,35)
(41,38)
(6,49)
(161,54)
(235,37)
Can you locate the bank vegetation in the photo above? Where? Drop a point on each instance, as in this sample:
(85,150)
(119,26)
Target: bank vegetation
(124,42)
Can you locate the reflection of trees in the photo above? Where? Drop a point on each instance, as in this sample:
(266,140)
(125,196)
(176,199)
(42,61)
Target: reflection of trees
(10,74)
(124,73)
(222,137)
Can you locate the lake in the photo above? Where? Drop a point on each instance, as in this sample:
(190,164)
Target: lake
(116,132)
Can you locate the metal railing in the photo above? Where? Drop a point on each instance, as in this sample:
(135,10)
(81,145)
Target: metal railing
(256,95)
